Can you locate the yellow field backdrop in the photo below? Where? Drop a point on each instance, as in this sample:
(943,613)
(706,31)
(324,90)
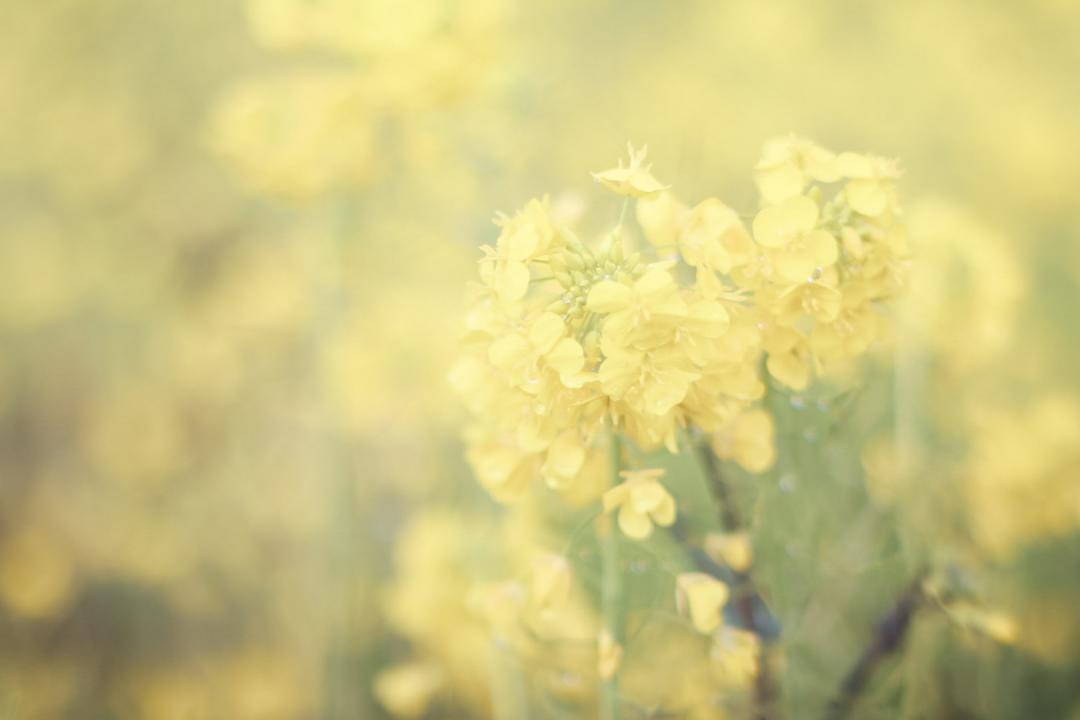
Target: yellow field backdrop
(235,239)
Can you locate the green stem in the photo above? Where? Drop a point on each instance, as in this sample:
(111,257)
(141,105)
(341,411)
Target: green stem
(622,213)
(611,590)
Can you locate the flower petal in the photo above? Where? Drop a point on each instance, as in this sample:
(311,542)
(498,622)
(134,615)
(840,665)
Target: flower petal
(634,524)
(609,296)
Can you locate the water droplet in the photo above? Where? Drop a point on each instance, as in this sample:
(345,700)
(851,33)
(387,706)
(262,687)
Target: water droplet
(823,406)
(798,402)
(788,482)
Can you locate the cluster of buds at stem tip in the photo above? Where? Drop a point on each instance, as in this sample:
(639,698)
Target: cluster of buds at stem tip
(577,268)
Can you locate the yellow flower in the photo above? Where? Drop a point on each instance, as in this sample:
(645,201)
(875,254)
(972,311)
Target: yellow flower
(794,244)
(629,308)
(505,268)
(871,189)
(699,335)
(789,357)
(635,180)
(714,237)
(788,163)
(565,337)
(520,353)
(848,335)
(406,690)
(609,655)
(661,217)
(735,656)
(731,549)
(997,624)
(299,134)
(818,300)
(642,501)
(651,383)
(748,440)
(565,459)
(703,597)
(37,575)
(500,604)
(505,471)
(550,586)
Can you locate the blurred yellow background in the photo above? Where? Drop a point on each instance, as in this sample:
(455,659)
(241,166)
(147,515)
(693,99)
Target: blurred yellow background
(234,239)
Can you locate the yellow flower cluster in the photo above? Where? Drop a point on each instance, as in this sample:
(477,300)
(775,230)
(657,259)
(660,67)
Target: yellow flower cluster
(315,128)
(566,338)
(1021,475)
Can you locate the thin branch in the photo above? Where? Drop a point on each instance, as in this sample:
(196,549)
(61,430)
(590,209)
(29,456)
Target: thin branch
(730,517)
(888,639)
(748,603)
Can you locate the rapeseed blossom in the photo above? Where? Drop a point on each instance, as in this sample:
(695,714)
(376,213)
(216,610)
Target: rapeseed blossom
(569,340)
(634,180)
(703,597)
(584,355)
(642,502)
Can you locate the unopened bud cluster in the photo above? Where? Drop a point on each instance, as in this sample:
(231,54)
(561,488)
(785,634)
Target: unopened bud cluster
(577,269)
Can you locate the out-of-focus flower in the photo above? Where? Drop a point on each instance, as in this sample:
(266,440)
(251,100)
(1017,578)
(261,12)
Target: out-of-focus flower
(37,576)
(997,624)
(642,502)
(714,237)
(702,597)
(407,690)
(265,683)
(298,135)
(551,578)
(661,217)
(748,439)
(870,188)
(528,234)
(609,655)
(732,549)
(634,180)
(735,656)
(788,163)
(789,357)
